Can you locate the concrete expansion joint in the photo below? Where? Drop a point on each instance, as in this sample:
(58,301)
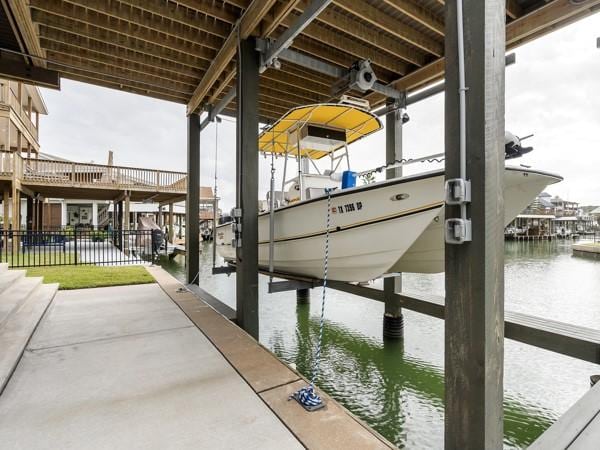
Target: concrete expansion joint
(109,339)
(278,385)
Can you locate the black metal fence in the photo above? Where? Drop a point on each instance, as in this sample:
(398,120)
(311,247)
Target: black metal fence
(26,248)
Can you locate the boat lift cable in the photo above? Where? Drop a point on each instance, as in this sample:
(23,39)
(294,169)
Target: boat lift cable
(307,396)
(215,209)
(272,208)
(437,158)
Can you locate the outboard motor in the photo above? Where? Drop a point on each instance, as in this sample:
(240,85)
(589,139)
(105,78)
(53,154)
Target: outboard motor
(512,146)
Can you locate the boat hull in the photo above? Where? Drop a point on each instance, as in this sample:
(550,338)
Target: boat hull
(426,255)
(386,227)
(370,228)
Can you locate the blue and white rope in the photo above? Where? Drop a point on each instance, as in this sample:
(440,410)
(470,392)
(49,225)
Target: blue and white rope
(307,395)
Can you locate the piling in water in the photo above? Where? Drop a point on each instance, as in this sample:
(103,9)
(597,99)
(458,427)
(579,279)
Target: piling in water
(393,326)
(303,296)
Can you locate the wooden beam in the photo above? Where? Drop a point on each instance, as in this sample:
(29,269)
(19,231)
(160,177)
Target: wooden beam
(524,29)
(113,63)
(377,18)
(117,73)
(360,33)
(295,81)
(58,26)
(182,38)
(513,9)
(264,116)
(16,69)
(25,30)
(90,77)
(351,46)
(311,47)
(52,39)
(173,21)
(287,96)
(545,19)
(225,83)
(211,9)
(307,74)
(276,96)
(248,23)
(418,14)
(280,12)
(194,13)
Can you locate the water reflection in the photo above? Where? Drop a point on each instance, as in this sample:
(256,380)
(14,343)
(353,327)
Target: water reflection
(383,385)
(398,387)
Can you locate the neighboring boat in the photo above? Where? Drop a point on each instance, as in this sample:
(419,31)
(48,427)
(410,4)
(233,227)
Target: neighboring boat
(373,227)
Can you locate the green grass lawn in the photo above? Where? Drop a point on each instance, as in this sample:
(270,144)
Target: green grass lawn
(81,277)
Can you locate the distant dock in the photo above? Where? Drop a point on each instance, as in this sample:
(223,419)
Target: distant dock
(529,237)
(587,250)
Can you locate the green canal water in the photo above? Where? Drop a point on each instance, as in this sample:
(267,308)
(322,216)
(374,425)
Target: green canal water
(398,387)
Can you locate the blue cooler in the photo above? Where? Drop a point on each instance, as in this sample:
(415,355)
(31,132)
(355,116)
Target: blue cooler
(348,179)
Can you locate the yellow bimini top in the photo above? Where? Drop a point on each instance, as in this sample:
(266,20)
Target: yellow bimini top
(347,121)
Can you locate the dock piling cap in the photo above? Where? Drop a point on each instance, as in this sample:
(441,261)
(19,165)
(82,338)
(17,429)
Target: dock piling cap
(356,122)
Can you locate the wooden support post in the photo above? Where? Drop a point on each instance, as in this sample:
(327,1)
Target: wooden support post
(5,204)
(19,142)
(8,141)
(29,213)
(119,226)
(192,209)
(40,215)
(393,321)
(302,296)
(126,223)
(247,186)
(171,222)
(474,329)
(179,219)
(16,218)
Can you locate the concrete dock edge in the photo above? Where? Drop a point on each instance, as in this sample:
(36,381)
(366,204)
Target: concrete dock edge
(272,380)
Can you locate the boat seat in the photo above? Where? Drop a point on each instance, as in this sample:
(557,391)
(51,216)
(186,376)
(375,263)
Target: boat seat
(293,193)
(315,192)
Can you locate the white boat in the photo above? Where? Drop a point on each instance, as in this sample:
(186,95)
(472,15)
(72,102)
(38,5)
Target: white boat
(375,228)
(426,254)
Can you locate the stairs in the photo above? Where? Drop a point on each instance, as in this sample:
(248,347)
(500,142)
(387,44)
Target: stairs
(23,301)
(103,216)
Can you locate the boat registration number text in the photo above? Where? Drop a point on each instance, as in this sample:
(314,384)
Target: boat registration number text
(347,208)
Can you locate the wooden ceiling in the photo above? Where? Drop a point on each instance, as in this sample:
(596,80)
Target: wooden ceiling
(184,50)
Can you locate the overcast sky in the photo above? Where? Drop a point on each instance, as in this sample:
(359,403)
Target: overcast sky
(552,91)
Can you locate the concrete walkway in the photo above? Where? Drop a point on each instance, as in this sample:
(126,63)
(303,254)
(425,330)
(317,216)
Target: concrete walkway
(124,368)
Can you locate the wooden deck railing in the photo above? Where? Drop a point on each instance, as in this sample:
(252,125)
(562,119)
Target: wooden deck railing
(66,173)
(9,98)
(7,163)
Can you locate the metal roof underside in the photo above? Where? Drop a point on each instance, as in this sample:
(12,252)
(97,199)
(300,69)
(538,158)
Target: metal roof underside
(181,50)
